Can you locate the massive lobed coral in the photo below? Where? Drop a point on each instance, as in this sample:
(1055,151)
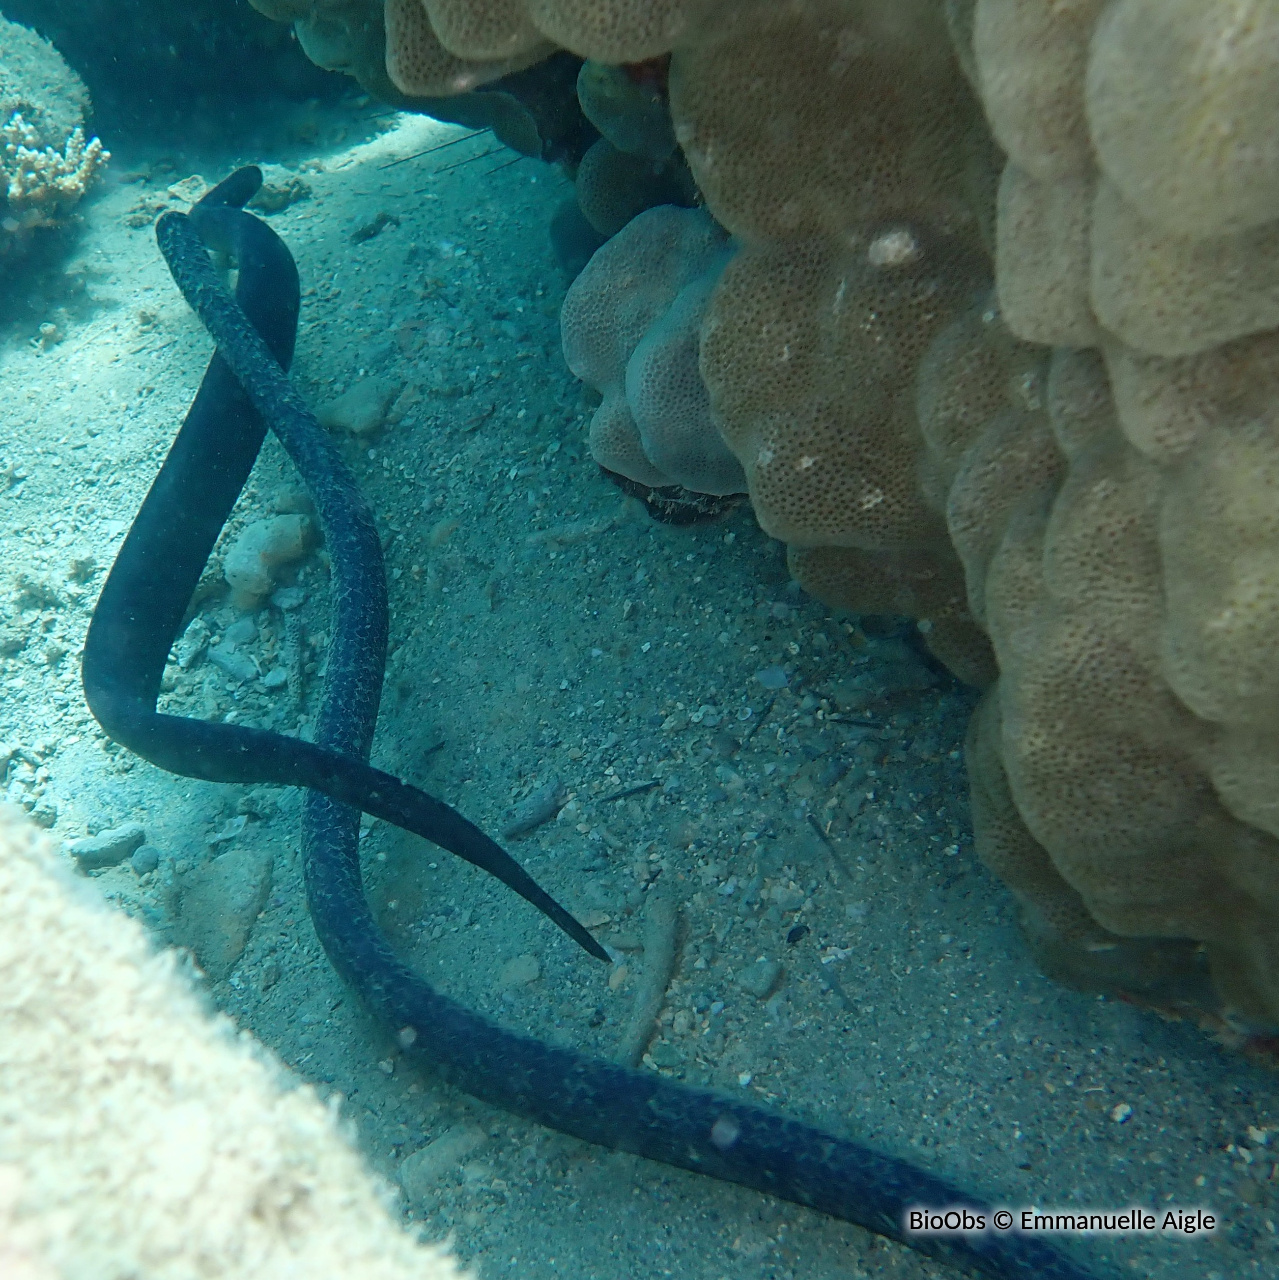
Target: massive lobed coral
(139,1136)
(859,243)
(1071,481)
(631,324)
(1131,588)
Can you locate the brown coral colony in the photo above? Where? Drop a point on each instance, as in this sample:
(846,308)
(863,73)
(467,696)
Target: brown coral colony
(984,322)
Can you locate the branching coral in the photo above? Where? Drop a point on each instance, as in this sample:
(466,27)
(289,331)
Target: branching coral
(45,163)
(42,183)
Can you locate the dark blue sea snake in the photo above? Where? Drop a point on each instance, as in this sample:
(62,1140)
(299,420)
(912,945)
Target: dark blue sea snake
(135,622)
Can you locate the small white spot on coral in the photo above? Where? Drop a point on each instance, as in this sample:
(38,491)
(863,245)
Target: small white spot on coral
(894,248)
(872,499)
(805,462)
(764,456)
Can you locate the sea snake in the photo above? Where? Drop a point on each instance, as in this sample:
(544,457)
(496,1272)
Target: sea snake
(134,624)
(139,613)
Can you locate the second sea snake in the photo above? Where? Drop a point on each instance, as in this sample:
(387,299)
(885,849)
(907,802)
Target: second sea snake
(599,1101)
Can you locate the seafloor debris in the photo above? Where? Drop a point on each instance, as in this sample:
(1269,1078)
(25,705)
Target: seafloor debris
(539,807)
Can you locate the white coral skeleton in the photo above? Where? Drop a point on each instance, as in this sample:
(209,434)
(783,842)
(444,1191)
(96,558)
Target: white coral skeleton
(43,181)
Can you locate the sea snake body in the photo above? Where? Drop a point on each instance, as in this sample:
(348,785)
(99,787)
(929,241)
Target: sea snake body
(134,625)
(146,595)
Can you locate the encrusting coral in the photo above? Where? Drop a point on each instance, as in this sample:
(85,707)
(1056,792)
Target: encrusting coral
(46,165)
(1074,476)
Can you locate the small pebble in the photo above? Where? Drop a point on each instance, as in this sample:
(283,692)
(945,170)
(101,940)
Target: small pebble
(229,830)
(540,807)
(760,978)
(44,813)
(664,1055)
(259,550)
(787,898)
(218,905)
(146,857)
(235,665)
(286,598)
(242,631)
(772,677)
(421,1172)
(519,971)
(108,848)
(361,410)
(192,645)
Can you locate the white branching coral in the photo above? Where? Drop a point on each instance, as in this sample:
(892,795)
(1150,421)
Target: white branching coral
(46,165)
(42,183)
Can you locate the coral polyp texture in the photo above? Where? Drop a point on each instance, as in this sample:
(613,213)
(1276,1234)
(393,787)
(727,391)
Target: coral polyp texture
(46,163)
(998,349)
(420,63)
(1130,590)
(631,325)
(155,1140)
(859,244)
